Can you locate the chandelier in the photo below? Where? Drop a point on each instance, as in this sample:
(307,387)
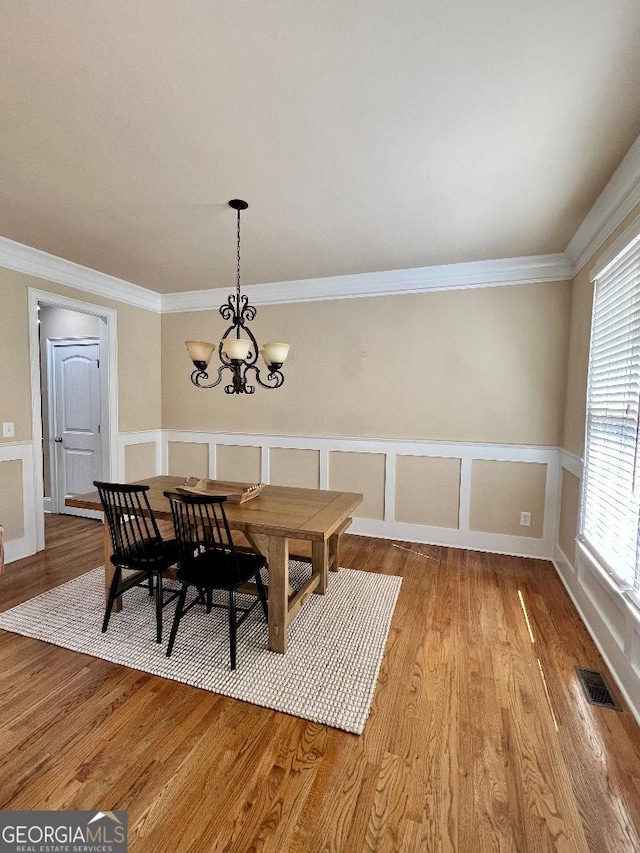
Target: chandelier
(238,354)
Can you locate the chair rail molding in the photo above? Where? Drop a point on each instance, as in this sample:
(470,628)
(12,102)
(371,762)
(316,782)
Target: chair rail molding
(571,462)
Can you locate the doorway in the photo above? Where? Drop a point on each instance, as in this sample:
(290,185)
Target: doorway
(74,400)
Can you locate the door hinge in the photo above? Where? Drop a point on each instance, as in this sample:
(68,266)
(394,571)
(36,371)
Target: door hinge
(98,363)
(99,429)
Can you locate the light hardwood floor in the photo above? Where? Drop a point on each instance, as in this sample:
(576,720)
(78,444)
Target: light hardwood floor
(467,747)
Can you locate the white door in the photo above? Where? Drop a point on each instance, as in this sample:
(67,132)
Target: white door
(77,443)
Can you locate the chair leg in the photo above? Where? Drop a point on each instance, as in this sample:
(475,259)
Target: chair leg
(150,584)
(176,619)
(159,600)
(232,626)
(113,590)
(209,600)
(262,596)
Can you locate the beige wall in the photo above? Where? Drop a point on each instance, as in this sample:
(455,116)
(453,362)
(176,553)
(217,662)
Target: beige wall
(483,365)
(15,396)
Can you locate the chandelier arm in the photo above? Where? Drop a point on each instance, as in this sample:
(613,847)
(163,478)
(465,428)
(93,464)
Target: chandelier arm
(252,355)
(198,378)
(247,312)
(274,378)
(228,310)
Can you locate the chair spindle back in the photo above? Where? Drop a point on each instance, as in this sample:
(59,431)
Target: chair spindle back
(132,525)
(201,526)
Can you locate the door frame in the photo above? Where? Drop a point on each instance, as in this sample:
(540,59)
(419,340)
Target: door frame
(108,388)
(52,344)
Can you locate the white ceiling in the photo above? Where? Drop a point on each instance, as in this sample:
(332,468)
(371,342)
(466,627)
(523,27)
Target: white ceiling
(366,135)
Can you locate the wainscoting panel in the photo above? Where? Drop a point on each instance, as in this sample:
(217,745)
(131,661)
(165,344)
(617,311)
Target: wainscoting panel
(433,477)
(427,490)
(397,475)
(292,467)
(131,459)
(16,476)
(188,458)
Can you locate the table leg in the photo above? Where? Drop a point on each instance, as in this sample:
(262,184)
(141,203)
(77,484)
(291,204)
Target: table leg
(260,542)
(320,564)
(334,552)
(278,596)
(109,568)
(334,545)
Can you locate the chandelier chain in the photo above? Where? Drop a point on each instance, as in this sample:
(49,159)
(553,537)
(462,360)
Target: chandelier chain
(238,266)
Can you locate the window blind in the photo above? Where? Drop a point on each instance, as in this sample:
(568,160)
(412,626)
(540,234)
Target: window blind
(610,511)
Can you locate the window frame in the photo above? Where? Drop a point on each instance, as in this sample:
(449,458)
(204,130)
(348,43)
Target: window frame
(626,242)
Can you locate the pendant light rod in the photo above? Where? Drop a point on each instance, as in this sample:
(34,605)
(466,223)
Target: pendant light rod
(238,204)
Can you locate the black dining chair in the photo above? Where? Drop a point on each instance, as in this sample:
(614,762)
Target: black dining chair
(209,561)
(137,546)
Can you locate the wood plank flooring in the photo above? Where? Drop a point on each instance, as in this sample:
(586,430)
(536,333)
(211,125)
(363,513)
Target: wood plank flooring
(479,739)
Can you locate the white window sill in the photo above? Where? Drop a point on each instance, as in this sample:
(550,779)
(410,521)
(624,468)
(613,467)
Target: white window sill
(630,598)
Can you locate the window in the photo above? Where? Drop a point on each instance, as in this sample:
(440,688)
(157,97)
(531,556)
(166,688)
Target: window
(610,512)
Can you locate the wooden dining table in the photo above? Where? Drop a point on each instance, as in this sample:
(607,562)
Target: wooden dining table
(278,515)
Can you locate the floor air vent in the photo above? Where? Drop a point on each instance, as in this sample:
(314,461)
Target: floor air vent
(596,689)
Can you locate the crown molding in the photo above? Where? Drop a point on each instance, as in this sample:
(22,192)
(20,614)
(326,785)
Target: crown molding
(25,259)
(616,201)
(506,271)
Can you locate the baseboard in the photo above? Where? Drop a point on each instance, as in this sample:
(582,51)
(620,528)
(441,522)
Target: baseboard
(622,670)
(467,540)
(16,549)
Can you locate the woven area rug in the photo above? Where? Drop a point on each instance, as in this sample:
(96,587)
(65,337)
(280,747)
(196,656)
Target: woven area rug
(328,675)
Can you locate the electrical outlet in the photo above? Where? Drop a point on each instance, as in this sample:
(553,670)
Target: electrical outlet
(7,429)
(525,519)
